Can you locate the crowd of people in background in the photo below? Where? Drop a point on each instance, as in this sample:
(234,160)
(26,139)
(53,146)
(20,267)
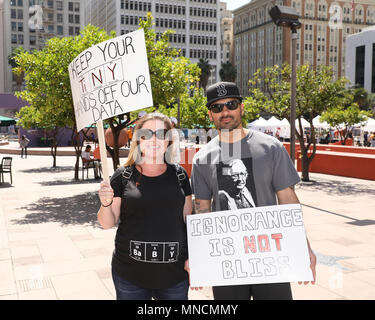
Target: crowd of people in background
(369,139)
(200,135)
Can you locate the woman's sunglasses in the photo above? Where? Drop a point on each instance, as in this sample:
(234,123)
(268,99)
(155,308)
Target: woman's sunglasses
(146,134)
(218,107)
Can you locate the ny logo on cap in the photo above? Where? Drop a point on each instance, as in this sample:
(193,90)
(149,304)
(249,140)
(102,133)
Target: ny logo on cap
(221,91)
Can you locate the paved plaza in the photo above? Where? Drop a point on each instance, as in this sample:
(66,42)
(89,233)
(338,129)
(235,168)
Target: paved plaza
(51,246)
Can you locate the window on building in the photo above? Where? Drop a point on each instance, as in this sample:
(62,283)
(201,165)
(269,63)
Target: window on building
(32,40)
(14,38)
(59,5)
(60,30)
(360,66)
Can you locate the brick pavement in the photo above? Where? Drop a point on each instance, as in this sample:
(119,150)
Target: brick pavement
(51,246)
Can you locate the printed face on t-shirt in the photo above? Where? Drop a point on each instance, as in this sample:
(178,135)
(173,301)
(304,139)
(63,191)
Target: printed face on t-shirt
(236,183)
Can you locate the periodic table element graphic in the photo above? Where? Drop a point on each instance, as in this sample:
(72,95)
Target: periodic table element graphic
(110,79)
(154,252)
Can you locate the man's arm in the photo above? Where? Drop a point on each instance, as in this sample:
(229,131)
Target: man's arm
(202,206)
(288,196)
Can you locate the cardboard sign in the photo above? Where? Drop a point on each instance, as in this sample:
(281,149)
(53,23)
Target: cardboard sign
(110,78)
(248,246)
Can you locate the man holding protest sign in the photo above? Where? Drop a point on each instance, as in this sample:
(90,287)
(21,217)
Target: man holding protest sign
(264,170)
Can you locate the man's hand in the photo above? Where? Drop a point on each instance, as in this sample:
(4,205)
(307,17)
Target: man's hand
(312,265)
(288,196)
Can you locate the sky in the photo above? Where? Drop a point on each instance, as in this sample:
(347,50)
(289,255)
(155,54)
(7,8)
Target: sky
(234,4)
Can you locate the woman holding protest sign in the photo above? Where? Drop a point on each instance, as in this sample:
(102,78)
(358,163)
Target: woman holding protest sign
(149,197)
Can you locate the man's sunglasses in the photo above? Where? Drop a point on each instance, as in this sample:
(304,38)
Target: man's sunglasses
(146,134)
(218,107)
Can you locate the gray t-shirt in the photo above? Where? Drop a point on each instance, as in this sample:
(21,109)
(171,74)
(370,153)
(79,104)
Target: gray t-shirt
(244,174)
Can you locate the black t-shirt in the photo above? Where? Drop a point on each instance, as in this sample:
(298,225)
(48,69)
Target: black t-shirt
(151,244)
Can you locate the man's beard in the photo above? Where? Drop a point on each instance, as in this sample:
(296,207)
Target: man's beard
(227,126)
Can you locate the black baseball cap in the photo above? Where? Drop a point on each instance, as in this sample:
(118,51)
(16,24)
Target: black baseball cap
(222,90)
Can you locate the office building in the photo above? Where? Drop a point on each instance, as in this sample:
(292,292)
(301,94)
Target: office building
(321,40)
(226,31)
(29,24)
(360,64)
(196,22)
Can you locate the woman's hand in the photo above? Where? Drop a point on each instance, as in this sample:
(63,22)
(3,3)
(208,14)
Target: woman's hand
(105,193)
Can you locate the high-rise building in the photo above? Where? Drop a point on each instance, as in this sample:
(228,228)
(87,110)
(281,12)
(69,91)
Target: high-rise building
(321,40)
(226,30)
(29,23)
(196,22)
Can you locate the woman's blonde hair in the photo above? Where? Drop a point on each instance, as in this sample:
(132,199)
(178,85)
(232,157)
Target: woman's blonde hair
(135,153)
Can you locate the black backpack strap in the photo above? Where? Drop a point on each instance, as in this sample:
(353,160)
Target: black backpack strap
(180,174)
(127,174)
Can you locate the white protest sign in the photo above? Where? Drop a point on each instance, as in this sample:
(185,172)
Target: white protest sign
(110,78)
(248,246)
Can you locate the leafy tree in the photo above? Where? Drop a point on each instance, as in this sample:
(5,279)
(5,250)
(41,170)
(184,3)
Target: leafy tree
(48,89)
(19,77)
(228,72)
(172,75)
(316,92)
(371,102)
(206,68)
(360,96)
(30,117)
(48,84)
(193,110)
(344,119)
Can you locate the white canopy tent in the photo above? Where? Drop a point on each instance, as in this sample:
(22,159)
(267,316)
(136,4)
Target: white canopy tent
(369,126)
(305,124)
(259,124)
(273,124)
(320,125)
(284,128)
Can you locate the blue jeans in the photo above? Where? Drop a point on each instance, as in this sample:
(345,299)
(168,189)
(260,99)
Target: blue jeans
(128,291)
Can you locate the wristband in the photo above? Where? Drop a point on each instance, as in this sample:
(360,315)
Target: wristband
(107,205)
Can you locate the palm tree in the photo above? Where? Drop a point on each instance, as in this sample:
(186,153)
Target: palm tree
(13,63)
(205,66)
(228,72)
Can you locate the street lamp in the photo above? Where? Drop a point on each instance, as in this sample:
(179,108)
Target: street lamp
(288,17)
